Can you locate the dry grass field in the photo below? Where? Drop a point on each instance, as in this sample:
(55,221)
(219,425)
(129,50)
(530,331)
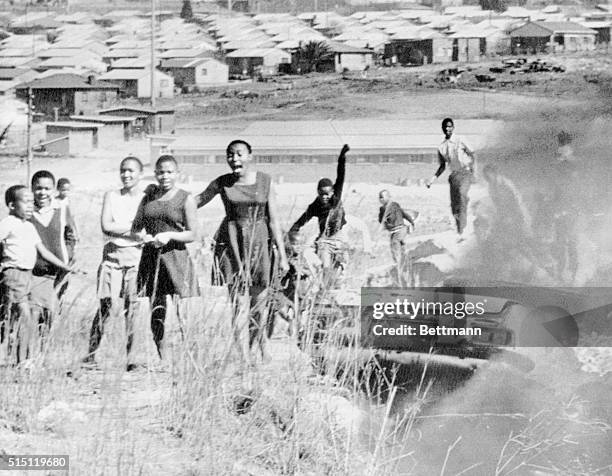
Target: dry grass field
(207,412)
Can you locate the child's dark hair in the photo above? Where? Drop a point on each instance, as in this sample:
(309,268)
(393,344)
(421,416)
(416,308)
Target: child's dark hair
(132,158)
(62,181)
(12,194)
(42,174)
(446,120)
(165,158)
(236,142)
(324,182)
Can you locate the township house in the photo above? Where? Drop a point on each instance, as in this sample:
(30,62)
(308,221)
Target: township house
(547,36)
(65,94)
(418,46)
(350,57)
(198,72)
(247,60)
(137,82)
(147,120)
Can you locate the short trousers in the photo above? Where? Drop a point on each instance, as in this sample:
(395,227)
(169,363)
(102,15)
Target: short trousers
(43,293)
(117,282)
(15,285)
(331,251)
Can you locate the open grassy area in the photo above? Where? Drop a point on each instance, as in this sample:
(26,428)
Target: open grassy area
(208,412)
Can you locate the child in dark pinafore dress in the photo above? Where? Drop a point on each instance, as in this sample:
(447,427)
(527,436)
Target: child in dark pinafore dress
(243,248)
(167,215)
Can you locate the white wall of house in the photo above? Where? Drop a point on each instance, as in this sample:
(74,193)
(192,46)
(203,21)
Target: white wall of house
(353,61)
(442,49)
(110,135)
(578,42)
(275,58)
(211,72)
(164,86)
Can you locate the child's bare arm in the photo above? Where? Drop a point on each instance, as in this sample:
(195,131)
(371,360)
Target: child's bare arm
(51,258)
(109,226)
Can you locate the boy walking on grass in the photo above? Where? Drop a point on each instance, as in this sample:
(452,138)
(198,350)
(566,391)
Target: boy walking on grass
(20,245)
(120,257)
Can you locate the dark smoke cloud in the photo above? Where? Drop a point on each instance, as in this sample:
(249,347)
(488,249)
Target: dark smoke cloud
(542,211)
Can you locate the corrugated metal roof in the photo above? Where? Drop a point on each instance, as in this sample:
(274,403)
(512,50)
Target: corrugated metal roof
(186,62)
(107,118)
(74,125)
(257,53)
(12,73)
(142,62)
(66,81)
(127,74)
(596,24)
(565,27)
(544,29)
(71,61)
(249,44)
(121,53)
(184,53)
(343,48)
(416,33)
(16,52)
(474,31)
(19,61)
(8,85)
(137,109)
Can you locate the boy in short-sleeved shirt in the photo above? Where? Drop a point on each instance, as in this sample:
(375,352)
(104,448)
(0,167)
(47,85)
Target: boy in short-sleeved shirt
(21,245)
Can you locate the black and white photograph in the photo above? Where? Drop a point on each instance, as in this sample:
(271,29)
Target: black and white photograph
(306,237)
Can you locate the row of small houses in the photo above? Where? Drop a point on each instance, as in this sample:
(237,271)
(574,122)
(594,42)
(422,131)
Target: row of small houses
(420,47)
(472,45)
(129,70)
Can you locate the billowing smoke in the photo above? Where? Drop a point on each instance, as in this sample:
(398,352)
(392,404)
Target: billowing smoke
(548,218)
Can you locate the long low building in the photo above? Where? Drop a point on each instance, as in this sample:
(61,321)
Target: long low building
(375,141)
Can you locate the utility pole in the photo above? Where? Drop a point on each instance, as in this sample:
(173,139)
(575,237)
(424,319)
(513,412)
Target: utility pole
(29,138)
(152,53)
(229,5)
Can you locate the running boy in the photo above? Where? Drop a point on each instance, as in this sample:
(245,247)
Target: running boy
(459,156)
(391,215)
(120,257)
(20,244)
(328,209)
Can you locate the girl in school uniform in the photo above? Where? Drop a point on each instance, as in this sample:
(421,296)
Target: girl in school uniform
(243,250)
(168,216)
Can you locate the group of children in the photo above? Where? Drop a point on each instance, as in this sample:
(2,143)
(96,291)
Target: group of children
(37,247)
(146,232)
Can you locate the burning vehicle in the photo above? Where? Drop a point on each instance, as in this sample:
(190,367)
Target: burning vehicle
(495,322)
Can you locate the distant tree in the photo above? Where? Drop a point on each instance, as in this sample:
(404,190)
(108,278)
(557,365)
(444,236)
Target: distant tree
(312,55)
(495,5)
(186,11)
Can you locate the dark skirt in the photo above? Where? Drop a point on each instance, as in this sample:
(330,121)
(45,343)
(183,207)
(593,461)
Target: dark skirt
(167,271)
(255,251)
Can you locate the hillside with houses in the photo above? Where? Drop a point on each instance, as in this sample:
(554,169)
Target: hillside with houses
(78,69)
